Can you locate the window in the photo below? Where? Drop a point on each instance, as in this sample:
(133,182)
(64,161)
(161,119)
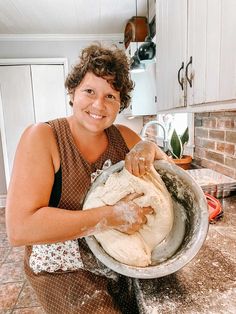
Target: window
(179,121)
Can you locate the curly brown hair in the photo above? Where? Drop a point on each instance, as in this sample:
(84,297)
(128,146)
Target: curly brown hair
(103,62)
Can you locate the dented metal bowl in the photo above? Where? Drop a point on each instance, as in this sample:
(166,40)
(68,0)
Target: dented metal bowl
(188,233)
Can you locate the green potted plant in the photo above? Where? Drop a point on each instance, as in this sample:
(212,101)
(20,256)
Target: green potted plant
(176,149)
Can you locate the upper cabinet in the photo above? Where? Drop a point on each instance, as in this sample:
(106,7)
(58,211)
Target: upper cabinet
(196,59)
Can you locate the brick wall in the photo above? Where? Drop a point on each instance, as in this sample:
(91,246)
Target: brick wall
(215,141)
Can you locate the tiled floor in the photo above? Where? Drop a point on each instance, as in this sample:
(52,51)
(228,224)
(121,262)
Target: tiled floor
(16,296)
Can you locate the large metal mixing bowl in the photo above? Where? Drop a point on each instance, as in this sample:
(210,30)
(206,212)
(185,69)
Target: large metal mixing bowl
(188,232)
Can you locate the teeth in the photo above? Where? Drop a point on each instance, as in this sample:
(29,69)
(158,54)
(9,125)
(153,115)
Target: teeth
(95,116)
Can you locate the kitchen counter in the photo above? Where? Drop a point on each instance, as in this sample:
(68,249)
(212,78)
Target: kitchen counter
(207,284)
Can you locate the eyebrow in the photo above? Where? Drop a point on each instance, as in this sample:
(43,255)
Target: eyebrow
(112,89)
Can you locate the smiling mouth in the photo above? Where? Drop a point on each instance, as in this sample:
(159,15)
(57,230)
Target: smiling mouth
(95,116)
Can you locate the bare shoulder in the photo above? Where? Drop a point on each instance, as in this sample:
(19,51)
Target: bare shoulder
(38,134)
(38,139)
(38,130)
(131,138)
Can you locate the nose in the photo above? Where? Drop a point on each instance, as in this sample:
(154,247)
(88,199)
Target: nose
(99,103)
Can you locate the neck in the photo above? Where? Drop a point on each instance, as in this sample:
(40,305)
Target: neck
(90,144)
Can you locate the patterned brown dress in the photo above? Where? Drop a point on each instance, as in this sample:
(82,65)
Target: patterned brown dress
(87,290)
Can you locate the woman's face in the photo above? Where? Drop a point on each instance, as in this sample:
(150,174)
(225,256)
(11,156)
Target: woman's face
(95,103)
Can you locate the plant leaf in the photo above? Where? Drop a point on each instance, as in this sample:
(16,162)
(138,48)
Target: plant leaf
(176,145)
(184,137)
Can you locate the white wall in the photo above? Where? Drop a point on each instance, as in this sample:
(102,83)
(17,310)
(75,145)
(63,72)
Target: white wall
(69,49)
(135,124)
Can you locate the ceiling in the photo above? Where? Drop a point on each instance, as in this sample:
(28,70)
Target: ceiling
(78,17)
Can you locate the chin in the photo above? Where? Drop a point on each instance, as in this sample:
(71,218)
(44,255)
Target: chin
(99,126)
(96,129)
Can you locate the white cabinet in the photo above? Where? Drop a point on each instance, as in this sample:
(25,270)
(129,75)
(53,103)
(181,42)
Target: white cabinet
(48,91)
(28,94)
(196,39)
(143,100)
(171,22)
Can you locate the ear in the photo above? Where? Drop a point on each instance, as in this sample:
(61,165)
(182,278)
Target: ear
(71,95)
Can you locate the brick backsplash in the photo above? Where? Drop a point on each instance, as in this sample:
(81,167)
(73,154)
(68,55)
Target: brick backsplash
(215,141)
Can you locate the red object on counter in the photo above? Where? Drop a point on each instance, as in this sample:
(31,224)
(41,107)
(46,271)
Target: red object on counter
(214,206)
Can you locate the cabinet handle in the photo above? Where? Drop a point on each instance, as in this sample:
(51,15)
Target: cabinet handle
(181,81)
(186,71)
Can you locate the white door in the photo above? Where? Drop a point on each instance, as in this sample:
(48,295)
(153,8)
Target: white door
(16,109)
(48,92)
(29,94)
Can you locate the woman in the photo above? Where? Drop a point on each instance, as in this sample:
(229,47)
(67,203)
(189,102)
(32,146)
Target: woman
(52,174)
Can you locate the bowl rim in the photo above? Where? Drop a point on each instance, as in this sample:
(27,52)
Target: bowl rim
(170,265)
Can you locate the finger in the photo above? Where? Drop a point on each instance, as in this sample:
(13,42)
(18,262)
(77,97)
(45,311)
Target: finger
(135,167)
(132,163)
(130,229)
(144,220)
(148,166)
(148,210)
(130,232)
(142,166)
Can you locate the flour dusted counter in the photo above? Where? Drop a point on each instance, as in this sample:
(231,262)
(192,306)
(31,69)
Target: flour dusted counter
(207,285)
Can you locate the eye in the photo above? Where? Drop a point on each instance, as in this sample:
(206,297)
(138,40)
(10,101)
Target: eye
(110,96)
(89,91)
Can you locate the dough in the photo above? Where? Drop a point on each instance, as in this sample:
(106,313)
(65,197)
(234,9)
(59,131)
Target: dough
(135,249)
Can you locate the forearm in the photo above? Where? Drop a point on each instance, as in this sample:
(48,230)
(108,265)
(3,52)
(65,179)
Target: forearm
(50,224)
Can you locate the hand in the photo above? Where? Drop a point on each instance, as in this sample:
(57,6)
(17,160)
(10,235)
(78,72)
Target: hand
(131,217)
(141,157)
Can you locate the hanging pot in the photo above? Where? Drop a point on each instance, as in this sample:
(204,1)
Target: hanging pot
(136,30)
(147,50)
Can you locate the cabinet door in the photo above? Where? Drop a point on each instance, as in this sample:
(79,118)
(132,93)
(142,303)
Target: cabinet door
(48,92)
(227,70)
(212,44)
(171,52)
(16,109)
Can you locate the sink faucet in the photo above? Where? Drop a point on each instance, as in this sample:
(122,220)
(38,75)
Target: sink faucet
(165,140)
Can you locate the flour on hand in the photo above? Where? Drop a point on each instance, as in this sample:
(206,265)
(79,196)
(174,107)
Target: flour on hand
(135,249)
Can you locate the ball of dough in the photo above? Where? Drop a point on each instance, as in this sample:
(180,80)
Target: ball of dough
(135,249)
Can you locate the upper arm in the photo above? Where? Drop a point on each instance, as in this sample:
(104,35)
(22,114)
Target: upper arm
(33,172)
(131,138)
